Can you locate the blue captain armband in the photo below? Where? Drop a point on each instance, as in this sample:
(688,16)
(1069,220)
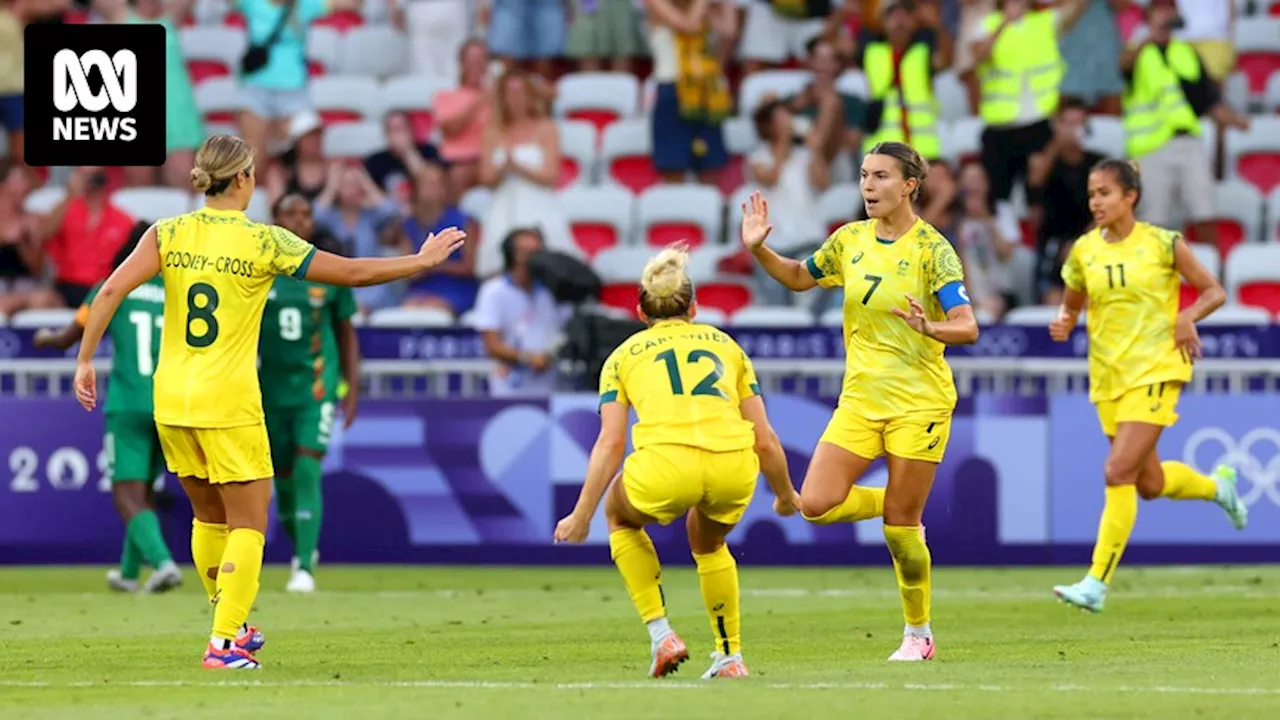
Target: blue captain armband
(953,294)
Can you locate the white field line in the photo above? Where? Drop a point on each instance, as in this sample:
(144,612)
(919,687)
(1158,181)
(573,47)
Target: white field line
(651,685)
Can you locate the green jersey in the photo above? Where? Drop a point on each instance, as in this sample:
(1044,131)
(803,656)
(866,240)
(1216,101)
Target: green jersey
(135,346)
(298,351)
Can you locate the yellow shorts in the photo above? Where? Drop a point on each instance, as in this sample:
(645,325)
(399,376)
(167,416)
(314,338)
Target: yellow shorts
(1155,404)
(665,481)
(219,455)
(911,437)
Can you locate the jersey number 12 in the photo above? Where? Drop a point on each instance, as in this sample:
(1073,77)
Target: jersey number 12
(706,386)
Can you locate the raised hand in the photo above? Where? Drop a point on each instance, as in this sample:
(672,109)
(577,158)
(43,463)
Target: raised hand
(755,221)
(439,246)
(916,319)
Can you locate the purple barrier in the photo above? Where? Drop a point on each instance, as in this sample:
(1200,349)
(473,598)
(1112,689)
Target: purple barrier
(484,481)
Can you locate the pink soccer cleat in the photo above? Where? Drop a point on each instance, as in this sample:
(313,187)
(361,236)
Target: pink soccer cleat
(233,658)
(668,653)
(914,649)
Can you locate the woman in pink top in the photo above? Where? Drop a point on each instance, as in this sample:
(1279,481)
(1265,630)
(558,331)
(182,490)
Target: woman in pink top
(463,115)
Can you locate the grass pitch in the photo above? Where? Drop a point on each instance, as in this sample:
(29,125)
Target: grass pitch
(508,643)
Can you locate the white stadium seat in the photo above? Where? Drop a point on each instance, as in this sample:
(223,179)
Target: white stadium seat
(1249,263)
(621,264)
(840,204)
(1263,136)
(832,317)
(214,43)
(1271,223)
(323,43)
(1238,315)
(152,203)
(475,202)
(1242,203)
(1032,315)
(851,82)
(626,138)
(704,262)
(410,317)
(219,97)
(43,200)
(1271,97)
(578,140)
(354,140)
(259,209)
(1208,256)
(962,138)
(662,207)
(411,92)
(375,50)
(711,316)
(953,98)
(740,136)
(43,318)
(356,94)
(765,316)
(607,205)
(779,83)
(617,93)
(1106,136)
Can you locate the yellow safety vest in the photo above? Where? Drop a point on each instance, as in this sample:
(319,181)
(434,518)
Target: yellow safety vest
(1026,49)
(1155,107)
(916,98)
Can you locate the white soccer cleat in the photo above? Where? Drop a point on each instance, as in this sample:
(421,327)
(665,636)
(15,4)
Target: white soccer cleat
(914,648)
(1228,496)
(116,582)
(726,666)
(163,579)
(301,582)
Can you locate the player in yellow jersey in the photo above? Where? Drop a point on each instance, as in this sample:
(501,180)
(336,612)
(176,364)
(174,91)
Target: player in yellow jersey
(217,267)
(904,302)
(702,439)
(1141,350)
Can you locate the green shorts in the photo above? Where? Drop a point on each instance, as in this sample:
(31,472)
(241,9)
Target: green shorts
(133,447)
(304,426)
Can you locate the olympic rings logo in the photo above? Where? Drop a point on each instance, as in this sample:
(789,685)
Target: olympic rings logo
(1263,474)
(1001,342)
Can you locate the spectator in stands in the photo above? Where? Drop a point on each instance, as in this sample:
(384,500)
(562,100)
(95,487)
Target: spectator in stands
(1129,17)
(937,202)
(830,121)
(21,259)
(275,92)
(519,321)
(999,271)
(972,13)
(14,16)
(303,169)
(520,161)
(775,31)
(184,126)
(452,284)
(522,30)
(1209,26)
(357,212)
(1020,69)
(393,169)
(1058,184)
(82,234)
(693,96)
(899,64)
(436,30)
(1091,50)
(463,114)
(605,30)
(1168,92)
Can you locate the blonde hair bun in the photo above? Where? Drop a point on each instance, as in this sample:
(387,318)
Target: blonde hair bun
(664,274)
(200,179)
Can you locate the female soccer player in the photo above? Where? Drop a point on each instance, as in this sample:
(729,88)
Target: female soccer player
(217,268)
(702,440)
(133,448)
(308,347)
(1140,353)
(898,392)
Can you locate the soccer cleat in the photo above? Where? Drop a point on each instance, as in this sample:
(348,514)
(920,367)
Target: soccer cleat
(914,648)
(118,583)
(234,658)
(668,653)
(301,582)
(1228,496)
(1089,594)
(726,666)
(250,639)
(163,579)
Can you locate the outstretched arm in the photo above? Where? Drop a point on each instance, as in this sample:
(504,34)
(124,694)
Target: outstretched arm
(330,269)
(141,265)
(755,228)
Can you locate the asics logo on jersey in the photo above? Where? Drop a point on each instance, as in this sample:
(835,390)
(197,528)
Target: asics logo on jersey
(856,258)
(935,442)
(1255,456)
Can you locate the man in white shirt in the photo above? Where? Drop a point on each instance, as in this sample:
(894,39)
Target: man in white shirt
(520,322)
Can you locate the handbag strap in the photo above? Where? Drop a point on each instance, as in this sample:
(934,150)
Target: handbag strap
(274,37)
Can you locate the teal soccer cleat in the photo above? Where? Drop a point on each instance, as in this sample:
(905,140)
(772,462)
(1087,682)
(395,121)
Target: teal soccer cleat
(1228,496)
(1089,594)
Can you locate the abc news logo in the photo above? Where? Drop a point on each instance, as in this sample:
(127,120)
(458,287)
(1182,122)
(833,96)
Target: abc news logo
(95,95)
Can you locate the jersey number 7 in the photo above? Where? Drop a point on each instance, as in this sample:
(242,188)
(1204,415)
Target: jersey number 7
(706,386)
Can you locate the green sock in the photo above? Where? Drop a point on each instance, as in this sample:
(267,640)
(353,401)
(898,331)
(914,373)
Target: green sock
(144,531)
(286,507)
(306,480)
(130,559)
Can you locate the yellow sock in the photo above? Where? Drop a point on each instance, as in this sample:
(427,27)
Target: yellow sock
(633,552)
(914,567)
(208,540)
(863,503)
(718,576)
(237,581)
(1183,483)
(1118,517)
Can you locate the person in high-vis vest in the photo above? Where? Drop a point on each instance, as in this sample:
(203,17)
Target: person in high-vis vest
(1020,71)
(1167,90)
(899,65)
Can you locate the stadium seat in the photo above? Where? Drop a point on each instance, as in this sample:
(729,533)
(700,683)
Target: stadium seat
(740,140)
(689,213)
(42,200)
(600,98)
(323,48)
(1212,261)
(953,98)
(577,153)
(1271,97)
(354,141)
(1257,51)
(475,202)
(152,203)
(711,316)
(1106,136)
(377,50)
(410,317)
(626,150)
(599,217)
(1235,92)
(1271,217)
(619,270)
(727,295)
(772,316)
(1254,154)
(832,317)
(413,96)
(839,205)
(1031,315)
(219,100)
(259,209)
(1253,276)
(42,318)
(962,140)
(851,82)
(212,51)
(1239,215)
(1238,315)
(780,83)
(736,201)
(342,20)
(345,98)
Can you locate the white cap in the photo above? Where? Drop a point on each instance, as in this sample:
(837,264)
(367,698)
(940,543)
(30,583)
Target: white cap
(303,123)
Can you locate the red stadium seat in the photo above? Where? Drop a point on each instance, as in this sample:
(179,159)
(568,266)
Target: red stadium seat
(423,123)
(728,297)
(600,118)
(1257,66)
(1262,294)
(636,172)
(234,19)
(315,68)
(342,21)
(334,117)
(622,296)
(733,176)
(664,234)
(1230,234)
(1261,169)
(592,237)
(201,70)
(1186,296)
(569,172)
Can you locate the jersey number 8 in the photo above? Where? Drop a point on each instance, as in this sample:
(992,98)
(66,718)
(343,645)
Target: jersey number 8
(706,386)
(202,301)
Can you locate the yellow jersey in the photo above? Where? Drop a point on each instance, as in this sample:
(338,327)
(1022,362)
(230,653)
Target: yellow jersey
(218,267)
(1133,305)
(686,382)
(891,370)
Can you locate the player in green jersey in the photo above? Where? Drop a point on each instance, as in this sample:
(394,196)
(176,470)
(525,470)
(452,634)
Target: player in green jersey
(133,448)
(309,352)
